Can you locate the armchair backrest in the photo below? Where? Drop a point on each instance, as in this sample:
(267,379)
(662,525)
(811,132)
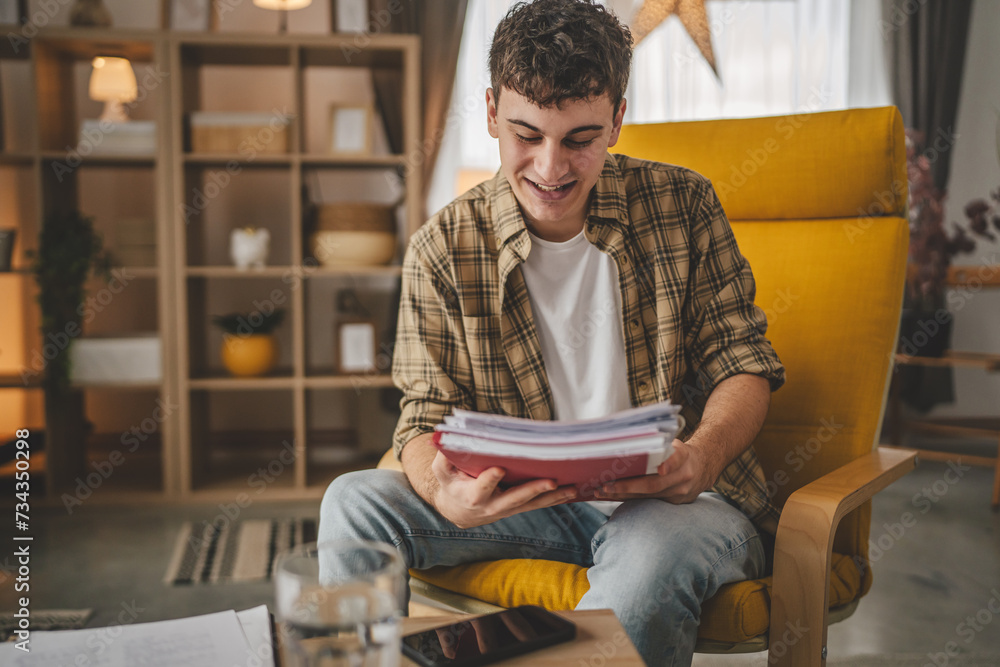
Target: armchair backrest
(818,206)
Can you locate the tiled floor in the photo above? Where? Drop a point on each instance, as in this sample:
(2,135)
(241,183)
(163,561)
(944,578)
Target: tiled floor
(935,573)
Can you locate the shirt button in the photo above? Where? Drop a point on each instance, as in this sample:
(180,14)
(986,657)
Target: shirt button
(643,385)
(499,241)
(624,259)
(634,324)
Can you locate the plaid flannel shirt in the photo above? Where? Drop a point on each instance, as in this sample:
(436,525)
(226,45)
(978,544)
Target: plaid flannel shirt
(466,337)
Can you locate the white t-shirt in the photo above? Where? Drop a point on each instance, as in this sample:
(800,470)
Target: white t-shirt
(574,295)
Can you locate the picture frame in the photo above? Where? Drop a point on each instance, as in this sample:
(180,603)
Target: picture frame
(351,129)
(191,15)
(356,346)
(350,15)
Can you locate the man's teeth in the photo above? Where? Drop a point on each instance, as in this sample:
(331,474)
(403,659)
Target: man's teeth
(552,188)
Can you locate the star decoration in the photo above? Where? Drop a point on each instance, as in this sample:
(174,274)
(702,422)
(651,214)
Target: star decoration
(693,17)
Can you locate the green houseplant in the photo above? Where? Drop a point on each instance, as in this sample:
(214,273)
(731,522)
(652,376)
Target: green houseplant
(249,347)
(70,251)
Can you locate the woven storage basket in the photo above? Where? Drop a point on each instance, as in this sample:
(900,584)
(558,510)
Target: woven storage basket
(357,217)
(354,234)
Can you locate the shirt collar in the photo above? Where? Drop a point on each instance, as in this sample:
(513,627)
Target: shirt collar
(608,202)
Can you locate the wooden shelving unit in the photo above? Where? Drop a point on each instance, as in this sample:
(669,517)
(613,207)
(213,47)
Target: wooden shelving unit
(201,269)
(187,458)
(61,179)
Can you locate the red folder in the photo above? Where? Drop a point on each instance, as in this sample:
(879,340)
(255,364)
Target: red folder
(586,474)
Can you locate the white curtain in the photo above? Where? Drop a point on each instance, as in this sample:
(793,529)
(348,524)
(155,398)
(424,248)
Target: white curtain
(774,57)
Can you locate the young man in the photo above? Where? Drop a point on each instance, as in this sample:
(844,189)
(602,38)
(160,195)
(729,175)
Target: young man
(575,284)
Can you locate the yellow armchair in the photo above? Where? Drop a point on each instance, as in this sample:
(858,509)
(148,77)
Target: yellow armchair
(818,206)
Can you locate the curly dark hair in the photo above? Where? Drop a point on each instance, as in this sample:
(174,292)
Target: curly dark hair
(550,51)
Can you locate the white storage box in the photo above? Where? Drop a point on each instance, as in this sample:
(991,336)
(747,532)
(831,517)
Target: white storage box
(133,137)
(124,360)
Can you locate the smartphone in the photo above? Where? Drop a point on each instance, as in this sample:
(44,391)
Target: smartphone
(486,639)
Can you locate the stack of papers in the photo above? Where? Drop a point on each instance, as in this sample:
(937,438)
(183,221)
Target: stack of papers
(586,453)
(225,638)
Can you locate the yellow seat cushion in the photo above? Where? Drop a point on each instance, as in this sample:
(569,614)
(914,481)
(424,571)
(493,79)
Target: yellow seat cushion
(738,612)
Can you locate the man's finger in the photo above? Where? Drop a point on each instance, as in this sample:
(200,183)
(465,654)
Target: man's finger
(675,461)
(475,491)
(523,496)
(558,496)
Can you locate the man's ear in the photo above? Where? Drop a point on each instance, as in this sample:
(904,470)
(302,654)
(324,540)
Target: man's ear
(616,125)
(491,114)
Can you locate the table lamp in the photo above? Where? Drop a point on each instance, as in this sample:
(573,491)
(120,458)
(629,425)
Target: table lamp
(283,6)
(112,81)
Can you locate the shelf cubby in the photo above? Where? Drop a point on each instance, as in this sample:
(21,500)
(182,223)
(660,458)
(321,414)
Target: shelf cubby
(208,297)
(218,200)
(230,457)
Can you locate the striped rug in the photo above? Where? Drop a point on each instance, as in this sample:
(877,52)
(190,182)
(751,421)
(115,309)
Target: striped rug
(242,551)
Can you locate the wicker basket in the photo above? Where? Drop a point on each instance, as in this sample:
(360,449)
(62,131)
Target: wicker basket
(249,132)
(356,217)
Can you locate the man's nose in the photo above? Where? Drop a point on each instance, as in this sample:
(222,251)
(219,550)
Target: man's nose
(551,163)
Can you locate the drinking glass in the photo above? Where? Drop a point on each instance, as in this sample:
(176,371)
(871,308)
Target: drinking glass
(339,604)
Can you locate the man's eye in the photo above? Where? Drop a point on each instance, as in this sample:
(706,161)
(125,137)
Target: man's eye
(579,144)
(528,140)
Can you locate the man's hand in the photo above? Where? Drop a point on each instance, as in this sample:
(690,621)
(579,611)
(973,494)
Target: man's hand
(678,480)
(469,501)
(734,414)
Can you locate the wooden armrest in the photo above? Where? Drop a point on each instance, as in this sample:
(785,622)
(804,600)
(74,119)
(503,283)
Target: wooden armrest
(804,546)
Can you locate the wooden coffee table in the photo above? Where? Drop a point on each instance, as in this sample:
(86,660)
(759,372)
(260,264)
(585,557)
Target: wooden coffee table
(600,642)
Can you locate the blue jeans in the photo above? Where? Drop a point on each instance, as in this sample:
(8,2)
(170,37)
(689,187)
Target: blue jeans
(651,562)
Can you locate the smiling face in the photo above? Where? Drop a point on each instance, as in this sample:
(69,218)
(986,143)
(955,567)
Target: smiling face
(552,157)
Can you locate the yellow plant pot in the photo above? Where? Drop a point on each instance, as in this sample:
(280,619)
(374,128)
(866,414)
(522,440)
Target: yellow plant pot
(249,356)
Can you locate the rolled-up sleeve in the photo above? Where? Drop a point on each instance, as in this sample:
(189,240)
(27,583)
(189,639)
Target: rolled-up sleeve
(725,330)
(430,360)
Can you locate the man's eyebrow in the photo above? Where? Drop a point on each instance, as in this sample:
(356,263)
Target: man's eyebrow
(575,130)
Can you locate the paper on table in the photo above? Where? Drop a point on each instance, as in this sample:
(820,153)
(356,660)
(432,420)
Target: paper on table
(256,624)
(199,641)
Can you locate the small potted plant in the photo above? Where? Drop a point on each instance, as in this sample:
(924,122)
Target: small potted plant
(249,347)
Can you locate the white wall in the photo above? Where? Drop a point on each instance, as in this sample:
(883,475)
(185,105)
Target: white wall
(975,172)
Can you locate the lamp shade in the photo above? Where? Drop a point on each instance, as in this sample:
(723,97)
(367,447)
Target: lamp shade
(282,4)
(112,80)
